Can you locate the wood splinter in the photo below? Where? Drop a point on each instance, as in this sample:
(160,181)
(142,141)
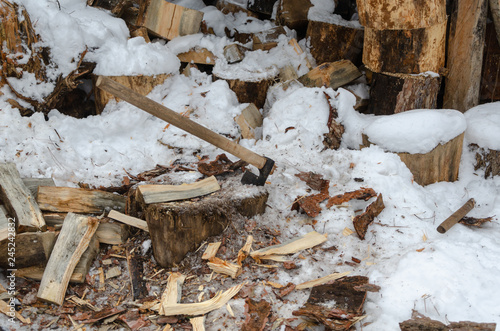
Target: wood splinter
(456,216)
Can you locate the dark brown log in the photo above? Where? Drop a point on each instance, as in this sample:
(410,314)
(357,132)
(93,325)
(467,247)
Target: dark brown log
(333,42)
(361,222)
(490,77)
(391,93)
(345,8)
(456,216)
(31,249)
(293,14)
(263,7)
(405,51)
(331,74)
(136,272)
(465,54)
(179,227)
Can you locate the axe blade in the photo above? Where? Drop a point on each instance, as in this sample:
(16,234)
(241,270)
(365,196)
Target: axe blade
(260,180)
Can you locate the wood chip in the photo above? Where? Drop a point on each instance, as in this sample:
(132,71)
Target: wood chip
(113,272)
(322,280)
(224,267)
(293,246)
(211,251)
(245,250)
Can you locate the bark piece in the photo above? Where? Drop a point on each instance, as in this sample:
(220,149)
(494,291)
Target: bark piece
(78,200)
(141,84)
(334,42)
(198,55)
(293,246)
(219,166)
(465,54)
(472,221)
(224,267)
(487,159)
(129,220)
(293,14)
(263,7)
(419,322)
(331,74)
(495,14)
(72,242)
(6,309)
(168,20)
(456,216)
(18,201)
(136,272)
(31,249)
(392,94)
(116,7)
(256,315)
(322,280)
(234,53)
(179,227)
(311,204)
(313,180)
(394,14)
(266,40)
(165,193)
(249,120)
(333,138)
(405,51)
(362,221)
(361,194)
(211,251)
(112,233)
(102,314)
(232,7)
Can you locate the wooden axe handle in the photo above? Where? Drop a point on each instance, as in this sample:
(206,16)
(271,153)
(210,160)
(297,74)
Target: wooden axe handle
(168,115)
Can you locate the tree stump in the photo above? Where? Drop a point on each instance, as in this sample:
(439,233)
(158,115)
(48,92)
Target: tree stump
(438,157)
(401,14)
(393,93)
(179,227)
(141,84)
(405,51)
(334,42)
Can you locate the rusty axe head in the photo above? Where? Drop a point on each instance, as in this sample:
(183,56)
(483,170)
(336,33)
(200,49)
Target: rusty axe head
(260,180)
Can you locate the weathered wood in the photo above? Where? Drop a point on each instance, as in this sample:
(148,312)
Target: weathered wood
(224,267)
(465,54)
(115,6)
(179,227)
(266,40)
(136,272)
(362,221)
(401,14)
(78,200)
(198,55)
(198,323)
(361,194)
(393,93)
(419,322)
(112,233)
(334,42)
(168,20)
(75,236)
(234,7)
(151,193)
(32,184)
(245,250)
(456,216)
(292,246)
(31,249)
(4,225)
(322,280)
(440,164)
(405,51)
(81,269)
(256,313)
(173,292)
(140,32)
(234,53)
(287,73)
(490,77)
(5,308)
(141,84)
(249,91)
(249,119)
(129,220)
(293,14)
(331,74)
(18,201)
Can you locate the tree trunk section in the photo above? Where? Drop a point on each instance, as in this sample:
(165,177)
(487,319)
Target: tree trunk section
(405,51)
(391,94)
(332,42)
(465,54)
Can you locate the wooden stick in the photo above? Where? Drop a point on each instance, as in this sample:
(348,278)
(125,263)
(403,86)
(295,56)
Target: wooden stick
(456,216)
(129,220)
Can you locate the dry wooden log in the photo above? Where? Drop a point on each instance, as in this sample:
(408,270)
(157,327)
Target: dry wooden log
(456,216)
(362,221)
(293,14)
(141,84)
(112,233)
(151,193)
(198,55)
(31,249)
(401,15)
(249,91)
(293,246)
(405,51)
(395,93)
(334,42)
(440,164)
(249,120)
(75,236)
(465,54)
(490,77)
(78,200)
(18,201)
(168,20)
(129,220)
(32,184)
(211,251)
(224,267)
(234,53)
(136,272)
(256,314)
(322,280)
(266,40)
(331,74)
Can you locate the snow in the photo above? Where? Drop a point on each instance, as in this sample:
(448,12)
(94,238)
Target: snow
(448,277)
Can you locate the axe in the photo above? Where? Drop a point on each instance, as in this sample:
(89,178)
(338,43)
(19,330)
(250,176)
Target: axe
(264,164)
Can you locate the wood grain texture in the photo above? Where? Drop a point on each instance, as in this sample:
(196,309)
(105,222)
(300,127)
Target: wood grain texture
(73,240)
(129,220)
(465,54)
(401,14)
(78,200)
(18,201)
(198,55)
(112,233)
(249,119)
(331,74)
(405,51)
(32,249)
